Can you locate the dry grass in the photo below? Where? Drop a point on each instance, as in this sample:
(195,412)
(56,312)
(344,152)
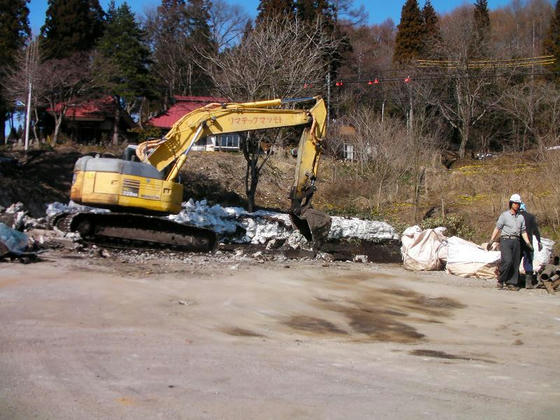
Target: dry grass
(473,191)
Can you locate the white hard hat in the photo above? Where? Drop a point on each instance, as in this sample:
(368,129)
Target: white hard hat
(515,198)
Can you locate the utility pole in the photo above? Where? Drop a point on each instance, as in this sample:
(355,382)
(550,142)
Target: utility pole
(28,114)
(328,96)
(29,88)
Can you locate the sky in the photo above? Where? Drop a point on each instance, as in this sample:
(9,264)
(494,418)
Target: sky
(378,10)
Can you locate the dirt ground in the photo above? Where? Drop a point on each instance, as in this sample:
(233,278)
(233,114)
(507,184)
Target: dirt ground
(132,335)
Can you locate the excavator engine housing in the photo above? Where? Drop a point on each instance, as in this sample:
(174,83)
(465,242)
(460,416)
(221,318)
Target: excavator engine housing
(116,183)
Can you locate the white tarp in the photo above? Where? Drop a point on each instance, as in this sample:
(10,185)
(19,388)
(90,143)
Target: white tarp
(467,259)
(423,250)
(542,257)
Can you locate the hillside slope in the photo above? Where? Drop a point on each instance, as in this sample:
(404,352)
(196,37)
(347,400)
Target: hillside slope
(467,197)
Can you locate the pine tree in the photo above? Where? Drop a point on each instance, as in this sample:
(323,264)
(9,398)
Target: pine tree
(481,35)
(551,43)
(14,31)
(71,26)
(269,9)
(432,32)
(409,41)
(324,12)
(168,30)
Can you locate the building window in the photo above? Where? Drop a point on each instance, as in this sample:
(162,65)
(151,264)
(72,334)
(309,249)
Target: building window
(227,142)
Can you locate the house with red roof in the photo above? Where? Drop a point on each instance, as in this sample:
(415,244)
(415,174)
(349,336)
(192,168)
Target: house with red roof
(185,104)
(93,119)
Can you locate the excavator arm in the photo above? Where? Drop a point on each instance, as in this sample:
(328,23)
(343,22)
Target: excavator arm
(229,118)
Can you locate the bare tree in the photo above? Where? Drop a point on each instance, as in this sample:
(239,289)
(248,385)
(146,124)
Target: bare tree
(60,83)
(521,26)
(227,23)
(278,59)
(386,151)
(463,88)
(536,106)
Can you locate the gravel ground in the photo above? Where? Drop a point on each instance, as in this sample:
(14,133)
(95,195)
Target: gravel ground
(89,333)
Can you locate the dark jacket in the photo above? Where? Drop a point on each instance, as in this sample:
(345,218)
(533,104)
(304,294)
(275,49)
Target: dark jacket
(531,226)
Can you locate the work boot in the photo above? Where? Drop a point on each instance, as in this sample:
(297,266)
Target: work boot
(529,280)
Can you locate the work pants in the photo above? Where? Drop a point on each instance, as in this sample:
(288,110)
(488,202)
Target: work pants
(527,255)
(509,265)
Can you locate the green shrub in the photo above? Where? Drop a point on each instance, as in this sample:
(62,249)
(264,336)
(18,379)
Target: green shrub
(455,224)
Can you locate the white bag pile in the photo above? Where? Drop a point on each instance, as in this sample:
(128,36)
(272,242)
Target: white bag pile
(423,250)
(467,259)
(430,249)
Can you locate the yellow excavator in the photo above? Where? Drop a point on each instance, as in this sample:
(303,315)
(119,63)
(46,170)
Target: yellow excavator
(140,192)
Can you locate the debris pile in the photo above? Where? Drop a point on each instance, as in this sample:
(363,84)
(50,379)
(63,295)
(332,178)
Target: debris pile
(348,237)
(17,217)
(236,225)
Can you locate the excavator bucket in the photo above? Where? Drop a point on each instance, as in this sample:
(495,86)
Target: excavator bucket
(314,225)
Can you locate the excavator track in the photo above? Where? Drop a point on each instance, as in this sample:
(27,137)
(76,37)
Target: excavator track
(131,231)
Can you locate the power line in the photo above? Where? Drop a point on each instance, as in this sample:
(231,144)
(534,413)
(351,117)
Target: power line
(491,63)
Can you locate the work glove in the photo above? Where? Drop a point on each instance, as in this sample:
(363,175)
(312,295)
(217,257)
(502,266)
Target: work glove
(540,247)
(489,246)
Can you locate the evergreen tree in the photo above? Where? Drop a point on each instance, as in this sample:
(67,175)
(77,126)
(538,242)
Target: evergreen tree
(310,10)
(305,10)
(199,43)
(180,36)
(481,35)
(167,31)
(14,31)
(410,34)
(71,26)
(552,40)
(432,32)
(271,8)
(123,69)
(124,48)
(247,30)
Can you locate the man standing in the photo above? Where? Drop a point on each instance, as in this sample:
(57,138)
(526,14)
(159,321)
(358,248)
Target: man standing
(512,227)
(527,254)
